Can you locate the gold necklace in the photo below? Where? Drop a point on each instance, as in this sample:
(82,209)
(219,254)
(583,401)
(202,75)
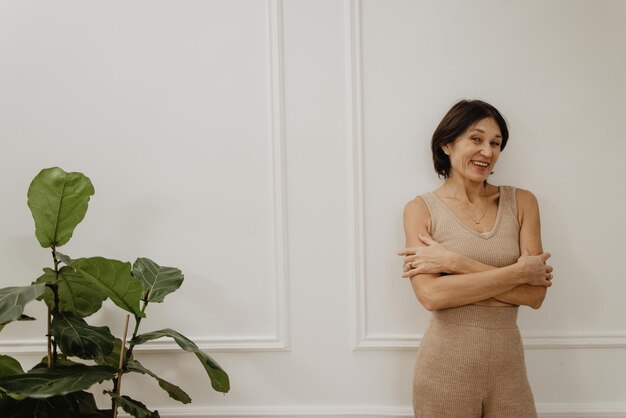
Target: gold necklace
(472,218)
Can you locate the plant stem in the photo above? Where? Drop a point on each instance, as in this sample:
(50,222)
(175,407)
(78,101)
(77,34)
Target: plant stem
(49,335)
(56,260)
(120,372)
(131,346)
(117,382)
(52,345)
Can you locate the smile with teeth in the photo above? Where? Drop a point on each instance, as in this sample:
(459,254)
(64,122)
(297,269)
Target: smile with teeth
(480,163)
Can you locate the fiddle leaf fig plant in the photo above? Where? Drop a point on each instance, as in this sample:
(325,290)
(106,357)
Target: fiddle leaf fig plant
(81,354)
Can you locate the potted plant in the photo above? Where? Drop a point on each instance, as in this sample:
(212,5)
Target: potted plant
(81,354)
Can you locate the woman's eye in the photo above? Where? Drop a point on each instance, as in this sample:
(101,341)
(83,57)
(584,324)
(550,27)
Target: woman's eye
(495,144)
(476,139)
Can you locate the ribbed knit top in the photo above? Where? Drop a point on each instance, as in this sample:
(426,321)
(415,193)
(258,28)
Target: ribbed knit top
(498,247)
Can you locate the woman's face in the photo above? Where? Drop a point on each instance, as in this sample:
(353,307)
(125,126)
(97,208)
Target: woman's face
(473,155)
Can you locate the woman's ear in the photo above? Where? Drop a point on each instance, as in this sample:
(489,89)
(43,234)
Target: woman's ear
(445,150)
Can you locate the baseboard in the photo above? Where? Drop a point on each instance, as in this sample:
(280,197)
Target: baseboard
(553,410)
(582,410)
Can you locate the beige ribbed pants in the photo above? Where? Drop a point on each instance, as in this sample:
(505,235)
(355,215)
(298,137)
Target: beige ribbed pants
(470,364)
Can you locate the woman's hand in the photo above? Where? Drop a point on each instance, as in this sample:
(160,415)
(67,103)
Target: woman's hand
(535,269)
(432,258)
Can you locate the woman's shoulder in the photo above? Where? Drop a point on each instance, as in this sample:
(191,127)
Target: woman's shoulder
(417,205)
(423,201)
(524,201)
(421,208)
(417,215)
(520,195)
(524,197)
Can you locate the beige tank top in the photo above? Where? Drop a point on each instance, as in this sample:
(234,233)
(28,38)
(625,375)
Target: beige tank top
(498,247)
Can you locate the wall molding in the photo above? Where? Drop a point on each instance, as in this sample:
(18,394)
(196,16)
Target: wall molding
(164,345)
(361,337)
(277,83)
(530,341)
(552,410)
(355,169)
(279,341)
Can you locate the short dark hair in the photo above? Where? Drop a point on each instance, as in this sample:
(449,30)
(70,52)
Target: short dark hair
(462,116)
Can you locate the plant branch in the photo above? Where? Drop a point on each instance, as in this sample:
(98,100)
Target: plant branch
(122,366)
(131,346)
(56,260)
(49,335)
(124,358)
(52,344)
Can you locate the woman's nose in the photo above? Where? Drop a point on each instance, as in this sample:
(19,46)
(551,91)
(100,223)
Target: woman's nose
(486,150)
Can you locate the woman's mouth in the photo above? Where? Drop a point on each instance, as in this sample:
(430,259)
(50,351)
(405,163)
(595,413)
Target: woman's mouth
(482,164)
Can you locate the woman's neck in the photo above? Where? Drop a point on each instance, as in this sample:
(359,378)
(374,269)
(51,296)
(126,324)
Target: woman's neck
(464,190)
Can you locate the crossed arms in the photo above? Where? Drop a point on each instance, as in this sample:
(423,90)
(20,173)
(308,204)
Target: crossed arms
(467,281)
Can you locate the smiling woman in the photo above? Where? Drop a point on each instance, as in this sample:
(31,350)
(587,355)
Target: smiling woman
(473,256)
(466,119)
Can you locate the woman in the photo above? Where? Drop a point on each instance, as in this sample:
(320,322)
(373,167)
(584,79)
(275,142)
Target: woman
(473,256)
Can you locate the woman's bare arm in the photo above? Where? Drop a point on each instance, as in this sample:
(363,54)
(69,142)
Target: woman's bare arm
(438,292)
(529,243)
(432,257)
(459,264)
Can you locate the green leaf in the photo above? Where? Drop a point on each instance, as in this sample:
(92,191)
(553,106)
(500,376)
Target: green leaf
(113,278)
(48,277)
(219,378)
(112,359)
(58,202)
(53,407)
(157,281)
(76,294)
(44,382)
(13,300)
(85,404)
(133,407)
(77,338)
(9,366)
(73,405)
(64,258)
(174,391)
(62,361)
(102,413)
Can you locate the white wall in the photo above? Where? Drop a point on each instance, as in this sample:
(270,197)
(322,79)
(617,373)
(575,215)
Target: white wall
(267,148)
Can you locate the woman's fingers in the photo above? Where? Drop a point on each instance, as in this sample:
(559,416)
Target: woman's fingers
(411,272)
(411,269)
(544,257)
(407,251)
(426,239)
(409,266)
